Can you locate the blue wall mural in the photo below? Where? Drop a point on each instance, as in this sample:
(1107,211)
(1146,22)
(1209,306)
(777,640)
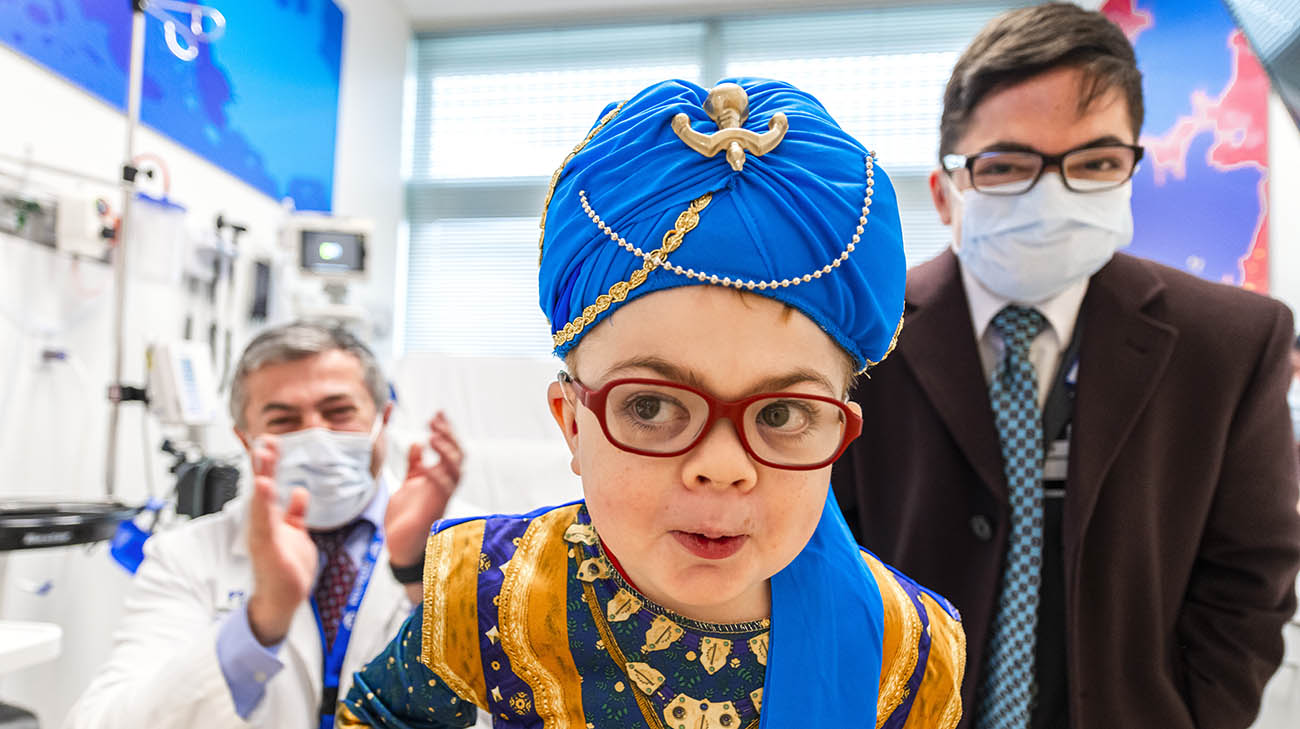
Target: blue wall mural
(260,102)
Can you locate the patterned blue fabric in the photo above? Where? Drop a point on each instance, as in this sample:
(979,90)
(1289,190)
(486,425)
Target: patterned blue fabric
(785,214)
(1006,693)
(500,538)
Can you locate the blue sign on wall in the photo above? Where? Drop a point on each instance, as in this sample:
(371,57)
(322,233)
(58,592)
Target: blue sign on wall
(261,102)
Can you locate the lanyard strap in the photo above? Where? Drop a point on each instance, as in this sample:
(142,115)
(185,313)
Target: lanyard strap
(333,655)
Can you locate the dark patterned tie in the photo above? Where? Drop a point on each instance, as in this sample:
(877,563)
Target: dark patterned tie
(336,579)
(1006,691)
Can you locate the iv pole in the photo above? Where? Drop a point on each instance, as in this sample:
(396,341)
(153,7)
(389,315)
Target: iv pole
(194,34)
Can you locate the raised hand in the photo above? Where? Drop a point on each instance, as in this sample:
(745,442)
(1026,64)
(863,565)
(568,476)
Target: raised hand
(283,554)
(423,496)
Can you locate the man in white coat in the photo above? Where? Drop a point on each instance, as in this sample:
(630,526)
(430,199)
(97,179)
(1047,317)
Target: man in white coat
(259,615)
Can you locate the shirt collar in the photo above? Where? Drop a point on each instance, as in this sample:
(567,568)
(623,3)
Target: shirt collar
(374,513)
(1061,310)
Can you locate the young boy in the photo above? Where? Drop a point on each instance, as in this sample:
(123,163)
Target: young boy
(712,311)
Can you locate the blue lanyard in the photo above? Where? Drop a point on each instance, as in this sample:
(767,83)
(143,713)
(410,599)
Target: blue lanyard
(334,654)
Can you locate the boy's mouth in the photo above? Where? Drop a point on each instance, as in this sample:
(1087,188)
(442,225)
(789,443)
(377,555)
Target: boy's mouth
(710,547)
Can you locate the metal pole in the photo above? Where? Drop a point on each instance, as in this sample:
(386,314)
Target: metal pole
(134,85)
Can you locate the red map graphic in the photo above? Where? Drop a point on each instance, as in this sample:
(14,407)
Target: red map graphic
(1127,16)
(1238,120)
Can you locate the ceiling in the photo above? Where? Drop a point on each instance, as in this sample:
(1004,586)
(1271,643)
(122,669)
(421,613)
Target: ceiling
(437,15)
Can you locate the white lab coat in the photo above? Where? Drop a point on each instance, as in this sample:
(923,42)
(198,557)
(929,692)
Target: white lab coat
(163,672)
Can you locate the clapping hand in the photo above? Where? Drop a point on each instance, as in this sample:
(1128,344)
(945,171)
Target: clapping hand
(423,496)
(282,552)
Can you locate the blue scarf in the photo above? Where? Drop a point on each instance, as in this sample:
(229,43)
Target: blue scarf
(828,631)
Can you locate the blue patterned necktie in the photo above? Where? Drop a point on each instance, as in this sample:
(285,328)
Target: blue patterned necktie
(1006,691)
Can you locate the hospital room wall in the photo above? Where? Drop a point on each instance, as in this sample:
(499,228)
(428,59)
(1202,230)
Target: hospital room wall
(52,420)
(1284,214)
(53,416)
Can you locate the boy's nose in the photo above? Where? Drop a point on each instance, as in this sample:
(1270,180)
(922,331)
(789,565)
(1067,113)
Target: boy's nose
(720,459)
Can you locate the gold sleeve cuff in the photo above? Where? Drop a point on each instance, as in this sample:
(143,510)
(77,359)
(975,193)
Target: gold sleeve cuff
(450,641)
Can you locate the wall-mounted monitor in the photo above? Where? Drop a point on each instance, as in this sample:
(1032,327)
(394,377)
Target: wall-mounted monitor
(326,252)
(328,247)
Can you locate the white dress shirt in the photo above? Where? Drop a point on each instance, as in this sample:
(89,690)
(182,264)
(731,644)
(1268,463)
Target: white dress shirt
(1045,352)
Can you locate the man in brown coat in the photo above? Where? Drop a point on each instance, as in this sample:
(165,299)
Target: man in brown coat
(1088,453)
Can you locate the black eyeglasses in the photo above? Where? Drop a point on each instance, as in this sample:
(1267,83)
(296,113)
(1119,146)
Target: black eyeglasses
(1086,169)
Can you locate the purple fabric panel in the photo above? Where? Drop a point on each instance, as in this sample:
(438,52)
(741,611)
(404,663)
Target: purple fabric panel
(499,535)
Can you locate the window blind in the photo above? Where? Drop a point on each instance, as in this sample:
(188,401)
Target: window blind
(472,288)
(512,105)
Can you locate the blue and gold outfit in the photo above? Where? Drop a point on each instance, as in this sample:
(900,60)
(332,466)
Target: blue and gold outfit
(531,622)
(751,186)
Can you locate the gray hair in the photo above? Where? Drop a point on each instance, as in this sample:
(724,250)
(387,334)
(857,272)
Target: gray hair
(300,340)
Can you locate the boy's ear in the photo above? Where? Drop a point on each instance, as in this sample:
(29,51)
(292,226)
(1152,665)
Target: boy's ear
(566,417)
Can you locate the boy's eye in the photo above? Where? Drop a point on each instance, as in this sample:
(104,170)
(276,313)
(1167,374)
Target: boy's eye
(654,408)
(787,416)
(646,408)
(775,416)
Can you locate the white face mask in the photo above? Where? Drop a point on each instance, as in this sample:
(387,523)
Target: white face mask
(334,467)
(1030,247)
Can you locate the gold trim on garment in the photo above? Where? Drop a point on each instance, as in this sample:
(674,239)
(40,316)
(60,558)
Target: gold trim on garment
(696,625)
(441,581)
(345,719)
(892,343)
(686,222)
(943,625)
(610,644)
(900,666)
(555,176)
(541,560)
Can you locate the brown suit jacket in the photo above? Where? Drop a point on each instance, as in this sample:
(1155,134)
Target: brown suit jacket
(1181,532)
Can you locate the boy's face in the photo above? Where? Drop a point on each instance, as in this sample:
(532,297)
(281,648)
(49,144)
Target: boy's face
(654,512)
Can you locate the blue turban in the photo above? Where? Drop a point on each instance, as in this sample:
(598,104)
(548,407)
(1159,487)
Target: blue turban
(787,213)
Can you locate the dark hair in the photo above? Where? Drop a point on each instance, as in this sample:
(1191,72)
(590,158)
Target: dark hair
(1024,43)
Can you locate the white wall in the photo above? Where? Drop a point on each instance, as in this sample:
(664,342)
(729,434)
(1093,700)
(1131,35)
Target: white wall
(367,162)
(1284,214)
(55,447)
(53,417)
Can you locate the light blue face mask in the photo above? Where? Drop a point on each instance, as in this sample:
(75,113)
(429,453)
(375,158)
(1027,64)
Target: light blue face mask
(334,467)
(1293,399)
(1028,248)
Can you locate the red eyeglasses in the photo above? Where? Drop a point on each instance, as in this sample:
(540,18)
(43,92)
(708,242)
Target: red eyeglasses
(790,430)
